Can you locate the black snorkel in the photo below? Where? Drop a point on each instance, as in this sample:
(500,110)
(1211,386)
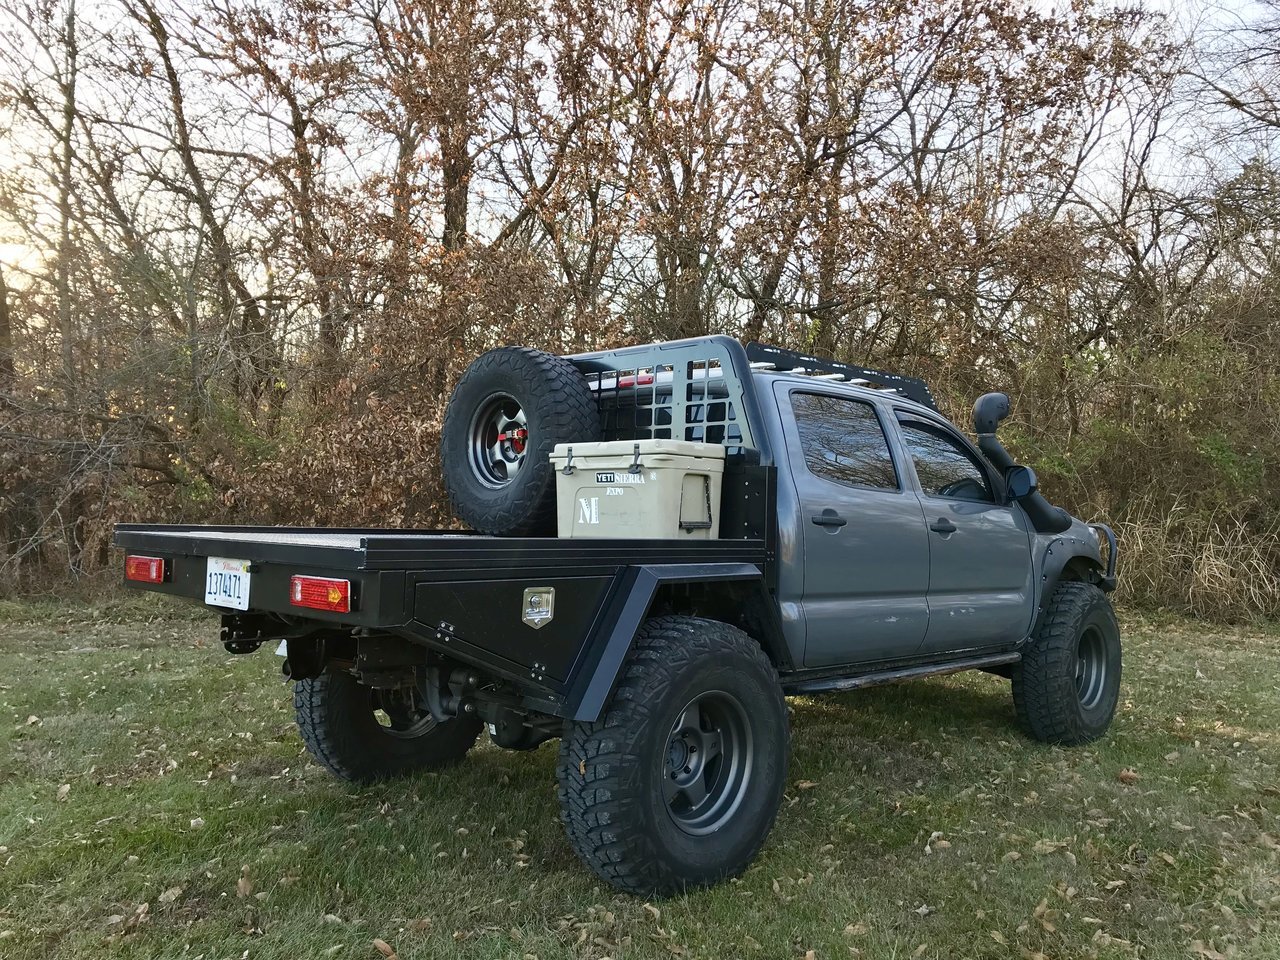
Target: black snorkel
(990,409)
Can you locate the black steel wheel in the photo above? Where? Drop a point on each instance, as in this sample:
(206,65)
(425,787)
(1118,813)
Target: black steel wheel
(508,411)
(400,713)
(1091,667)
(708,763)
(1066,687)
(679,781)
(363,734)
(499,440)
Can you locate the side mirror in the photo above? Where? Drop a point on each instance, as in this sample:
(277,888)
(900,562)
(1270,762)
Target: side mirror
(1020,481)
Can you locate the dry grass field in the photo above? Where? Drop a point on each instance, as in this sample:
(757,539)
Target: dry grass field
(155,801)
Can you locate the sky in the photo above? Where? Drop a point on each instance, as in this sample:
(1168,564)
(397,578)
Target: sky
(1171,161)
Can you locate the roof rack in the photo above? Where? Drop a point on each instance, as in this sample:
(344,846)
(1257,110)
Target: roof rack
(763,356)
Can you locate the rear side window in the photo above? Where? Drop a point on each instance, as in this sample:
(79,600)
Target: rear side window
(944,466)
(843,442)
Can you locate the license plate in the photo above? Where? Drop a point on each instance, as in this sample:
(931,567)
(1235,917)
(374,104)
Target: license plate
(226,583)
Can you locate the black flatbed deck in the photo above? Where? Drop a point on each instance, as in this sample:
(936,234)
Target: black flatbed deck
(422,550)
(458,592)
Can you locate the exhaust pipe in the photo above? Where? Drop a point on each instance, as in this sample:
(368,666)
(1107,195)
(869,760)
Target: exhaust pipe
(990,409)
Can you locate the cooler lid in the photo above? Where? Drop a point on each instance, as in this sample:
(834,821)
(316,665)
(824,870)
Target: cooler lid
(627,448)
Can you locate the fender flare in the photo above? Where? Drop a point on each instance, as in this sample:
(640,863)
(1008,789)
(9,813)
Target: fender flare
(592,680)
(1066,551)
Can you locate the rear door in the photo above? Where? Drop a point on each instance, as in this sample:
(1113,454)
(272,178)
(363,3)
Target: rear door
(980,573)
(864,544)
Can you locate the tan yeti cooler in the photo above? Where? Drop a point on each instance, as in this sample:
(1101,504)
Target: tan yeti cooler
(639,489)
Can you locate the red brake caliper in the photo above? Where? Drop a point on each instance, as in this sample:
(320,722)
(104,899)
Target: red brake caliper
(517,438)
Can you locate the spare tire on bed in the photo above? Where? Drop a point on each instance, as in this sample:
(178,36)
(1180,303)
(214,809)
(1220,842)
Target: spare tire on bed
(511,407)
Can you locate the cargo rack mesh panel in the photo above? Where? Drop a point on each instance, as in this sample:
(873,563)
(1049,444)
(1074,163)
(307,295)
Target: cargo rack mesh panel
(685,390)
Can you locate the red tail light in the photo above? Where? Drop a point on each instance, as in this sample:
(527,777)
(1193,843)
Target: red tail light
(320,593)
(144,569)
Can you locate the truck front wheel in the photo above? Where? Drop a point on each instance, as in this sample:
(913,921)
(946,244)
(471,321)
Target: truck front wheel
(679,781)
(1066,687)
(363,734)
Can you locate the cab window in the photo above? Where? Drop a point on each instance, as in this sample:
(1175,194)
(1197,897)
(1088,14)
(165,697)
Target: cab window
(843,442)
(945,467)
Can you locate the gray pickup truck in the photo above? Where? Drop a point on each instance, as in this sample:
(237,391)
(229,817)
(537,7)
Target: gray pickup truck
(862,540)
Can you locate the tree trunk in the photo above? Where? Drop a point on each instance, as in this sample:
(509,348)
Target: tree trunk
(63,274)
(6,342)
(455,153)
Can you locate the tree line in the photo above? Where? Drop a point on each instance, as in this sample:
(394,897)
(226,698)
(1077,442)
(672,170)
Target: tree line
(247,247)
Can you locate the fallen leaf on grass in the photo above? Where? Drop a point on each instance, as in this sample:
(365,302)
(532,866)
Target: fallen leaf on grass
(170,895)
(806,784)
(385,948)
(421,925)
(855,929)
(999,938)
(1011,856)
(936,842)
(1049,846)
(1200,948)
(653,911)
(1128,776)
(244,886)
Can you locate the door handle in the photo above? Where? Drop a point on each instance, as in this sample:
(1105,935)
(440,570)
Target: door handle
(943,525)
(829,518)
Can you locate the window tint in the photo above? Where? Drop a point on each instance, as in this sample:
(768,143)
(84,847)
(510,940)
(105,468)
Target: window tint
(843,442)
(945,468)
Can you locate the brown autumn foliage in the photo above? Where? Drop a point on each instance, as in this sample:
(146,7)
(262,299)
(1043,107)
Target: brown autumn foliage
(249,246)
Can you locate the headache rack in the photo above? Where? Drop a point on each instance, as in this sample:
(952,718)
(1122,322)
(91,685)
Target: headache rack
(682,390)
(694,389)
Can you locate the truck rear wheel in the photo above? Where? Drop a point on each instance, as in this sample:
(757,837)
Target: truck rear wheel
(364,734)
(1066,687)
(507,413)
(678,783)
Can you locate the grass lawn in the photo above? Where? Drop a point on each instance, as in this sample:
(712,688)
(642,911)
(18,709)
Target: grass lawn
(155,801)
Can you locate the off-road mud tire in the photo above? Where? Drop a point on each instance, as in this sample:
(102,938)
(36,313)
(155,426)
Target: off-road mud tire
(1047,692)
(559,407)
(336,718)
(612,776)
